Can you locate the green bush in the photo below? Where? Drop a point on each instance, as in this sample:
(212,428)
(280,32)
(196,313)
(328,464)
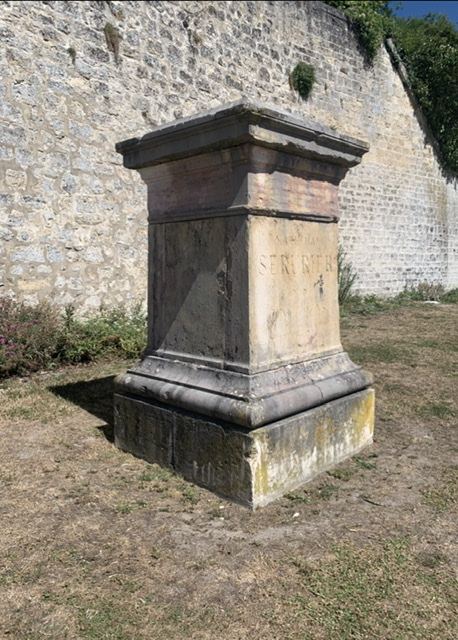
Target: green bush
(110,333)
(35,337)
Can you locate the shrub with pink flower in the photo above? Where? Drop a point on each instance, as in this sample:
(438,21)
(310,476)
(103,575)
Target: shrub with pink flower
(28,336)
(35,337)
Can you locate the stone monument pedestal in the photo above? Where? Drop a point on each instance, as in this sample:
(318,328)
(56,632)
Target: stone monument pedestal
(244,387)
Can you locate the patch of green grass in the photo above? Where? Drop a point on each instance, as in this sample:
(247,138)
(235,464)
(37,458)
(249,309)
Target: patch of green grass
(326,491)
(23,413)
(123,481)
(341,474)
(99,618)
(147,477)
(365,305)
(346,278)
(215,513)
(309,496)
(381,352)
(190,494)
(363,463)
(436,344)
(445,496)
(296,497)
(175,614)
(102,619)
(436,410)
(128,507)
(433,344)
(157,473)
(358,589)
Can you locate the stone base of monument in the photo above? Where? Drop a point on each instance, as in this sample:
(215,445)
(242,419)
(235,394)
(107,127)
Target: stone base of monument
(244,387)
(250,467)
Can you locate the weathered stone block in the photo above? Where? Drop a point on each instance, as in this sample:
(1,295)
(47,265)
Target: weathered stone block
(249,467)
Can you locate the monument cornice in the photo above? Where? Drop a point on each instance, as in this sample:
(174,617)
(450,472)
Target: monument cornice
(238,123)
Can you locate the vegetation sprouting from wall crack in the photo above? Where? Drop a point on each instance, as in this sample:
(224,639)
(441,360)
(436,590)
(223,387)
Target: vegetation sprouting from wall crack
(302,79)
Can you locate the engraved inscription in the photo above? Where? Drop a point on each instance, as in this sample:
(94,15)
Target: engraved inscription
(291,264)
(320,284)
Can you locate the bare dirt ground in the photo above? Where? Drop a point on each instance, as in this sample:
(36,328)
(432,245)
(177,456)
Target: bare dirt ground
(95,544)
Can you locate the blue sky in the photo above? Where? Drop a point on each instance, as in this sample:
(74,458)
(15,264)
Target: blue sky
(418,9)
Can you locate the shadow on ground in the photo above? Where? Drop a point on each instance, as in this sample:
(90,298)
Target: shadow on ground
(95,397)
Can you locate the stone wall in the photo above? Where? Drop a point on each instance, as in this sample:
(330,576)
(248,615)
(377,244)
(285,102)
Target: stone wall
(73,220)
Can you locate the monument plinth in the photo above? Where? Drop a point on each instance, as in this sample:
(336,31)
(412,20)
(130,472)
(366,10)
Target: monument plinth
(244,386)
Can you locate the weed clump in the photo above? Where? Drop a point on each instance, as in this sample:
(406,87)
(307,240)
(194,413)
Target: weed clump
(36,337)
(110,333)
(423,292)
(113,39)
(346,277)
(450,297)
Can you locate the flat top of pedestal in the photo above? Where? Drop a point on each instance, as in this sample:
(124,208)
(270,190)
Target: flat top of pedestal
(237,123)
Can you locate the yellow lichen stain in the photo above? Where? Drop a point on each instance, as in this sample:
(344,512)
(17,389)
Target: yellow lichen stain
(321,436)
(261,470)
(269,467)
(362,419)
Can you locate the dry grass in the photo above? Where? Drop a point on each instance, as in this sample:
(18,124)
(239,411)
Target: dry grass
(98,545)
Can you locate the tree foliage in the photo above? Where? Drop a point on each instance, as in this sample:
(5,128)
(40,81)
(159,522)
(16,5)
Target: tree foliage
(429,50)
(428,47)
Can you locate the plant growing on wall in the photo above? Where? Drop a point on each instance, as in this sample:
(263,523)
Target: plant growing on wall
(72,53)
(113,39)
(302,79)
